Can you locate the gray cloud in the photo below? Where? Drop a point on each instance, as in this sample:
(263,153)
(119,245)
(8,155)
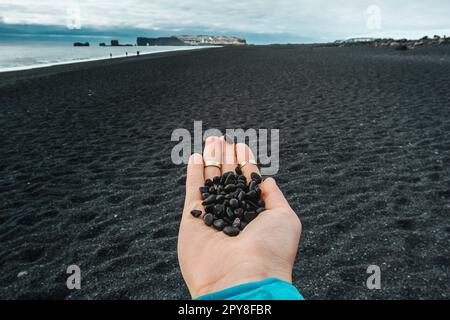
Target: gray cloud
(316,19)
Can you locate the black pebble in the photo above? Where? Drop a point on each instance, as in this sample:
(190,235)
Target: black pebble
(234,203)
(218,209)
(230,179)
(256,177)
(209,208)
(252,194)
(249,216)
(243,225)
(231,231)
(209,183)
(212,190)
(196,213)
(241,196)
(220,198)
(210,200)
(208,219)
(239,212)
(238,170)
(230,213)
(216,180)
(219,224)
(230,188)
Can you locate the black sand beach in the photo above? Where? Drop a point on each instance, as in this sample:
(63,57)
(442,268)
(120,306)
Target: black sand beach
(86,176)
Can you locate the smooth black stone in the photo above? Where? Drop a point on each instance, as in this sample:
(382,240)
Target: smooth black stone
(252,194)
(220,198)
(230,179)
(241,196)
(258,190)
(249,216)
(230,188)
(234,203)
(205,195)
(228,196)
(212,190)
(230,213)
(203,189)
(231,231)
(196,213)
(210,200)
(239,212)
(208,219)
(256,177)
(228,222)
(261,203)
(216,180)
(238,170)
(243,225)
(241,186)
(219,189)
(252,185)
(209,183)
(219,224)
(209,208)
(259,210)
(218,209)
(252,204)
(236,223)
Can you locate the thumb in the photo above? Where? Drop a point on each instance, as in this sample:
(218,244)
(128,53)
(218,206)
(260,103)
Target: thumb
(272,195)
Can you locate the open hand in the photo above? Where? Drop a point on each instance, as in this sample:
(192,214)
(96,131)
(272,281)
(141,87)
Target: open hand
(210,260)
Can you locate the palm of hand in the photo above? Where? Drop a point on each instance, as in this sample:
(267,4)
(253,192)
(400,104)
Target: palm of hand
(212,261)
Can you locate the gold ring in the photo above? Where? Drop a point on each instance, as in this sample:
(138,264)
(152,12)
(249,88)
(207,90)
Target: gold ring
(251,161)
(212,163)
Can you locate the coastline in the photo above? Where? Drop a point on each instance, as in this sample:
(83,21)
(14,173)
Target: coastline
(46,65)
(9,77)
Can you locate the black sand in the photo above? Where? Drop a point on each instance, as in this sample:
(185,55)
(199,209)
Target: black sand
(86,176)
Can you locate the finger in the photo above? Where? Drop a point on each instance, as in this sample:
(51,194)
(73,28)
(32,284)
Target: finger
(212,152)
(244,153)
(228,155)
(272,195)
(194,180)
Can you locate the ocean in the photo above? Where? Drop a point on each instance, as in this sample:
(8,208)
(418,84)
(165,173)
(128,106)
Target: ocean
(34,55)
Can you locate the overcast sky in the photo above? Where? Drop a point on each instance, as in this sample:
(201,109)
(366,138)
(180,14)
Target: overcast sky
(318,20)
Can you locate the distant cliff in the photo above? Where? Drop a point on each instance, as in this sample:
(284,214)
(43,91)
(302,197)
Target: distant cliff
(188,40)
(163,41)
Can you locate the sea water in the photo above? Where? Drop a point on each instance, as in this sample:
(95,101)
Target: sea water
(34,55)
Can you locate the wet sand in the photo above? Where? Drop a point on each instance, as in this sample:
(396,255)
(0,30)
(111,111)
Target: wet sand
(86,176)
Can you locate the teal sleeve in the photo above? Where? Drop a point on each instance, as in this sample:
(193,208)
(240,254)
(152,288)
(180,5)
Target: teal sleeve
(268,289)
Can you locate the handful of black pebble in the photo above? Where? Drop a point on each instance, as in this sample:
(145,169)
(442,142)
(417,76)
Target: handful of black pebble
(230,203)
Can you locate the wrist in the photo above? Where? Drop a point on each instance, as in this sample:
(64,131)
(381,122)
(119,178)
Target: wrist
(243,273)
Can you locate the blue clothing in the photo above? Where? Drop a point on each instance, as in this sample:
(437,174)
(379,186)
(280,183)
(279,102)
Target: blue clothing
(268,289)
